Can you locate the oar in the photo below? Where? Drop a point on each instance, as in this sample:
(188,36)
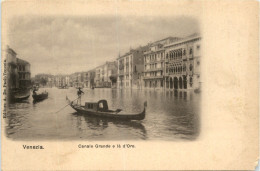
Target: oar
(67,104)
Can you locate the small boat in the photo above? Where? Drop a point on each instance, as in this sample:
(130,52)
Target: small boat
(17,95)
(39,97)
(100,109)
(64,87)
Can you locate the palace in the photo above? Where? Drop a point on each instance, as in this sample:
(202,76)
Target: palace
(173,63)
(182,63)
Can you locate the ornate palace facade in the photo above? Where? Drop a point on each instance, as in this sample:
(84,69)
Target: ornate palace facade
(182,63)
(173,63)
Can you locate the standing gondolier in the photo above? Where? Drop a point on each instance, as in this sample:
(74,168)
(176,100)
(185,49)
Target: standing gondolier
(80,92)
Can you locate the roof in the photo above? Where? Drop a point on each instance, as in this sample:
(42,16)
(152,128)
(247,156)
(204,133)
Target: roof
(21,61)
(185,39)
(170,37)
(140,48)
(10,50)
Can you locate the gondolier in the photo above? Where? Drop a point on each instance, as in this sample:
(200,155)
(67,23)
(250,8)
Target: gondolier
(80,92)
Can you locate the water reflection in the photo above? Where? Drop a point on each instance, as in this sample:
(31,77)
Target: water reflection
(97,123)
(170,115)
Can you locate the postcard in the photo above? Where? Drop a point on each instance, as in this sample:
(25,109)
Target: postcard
(130,85)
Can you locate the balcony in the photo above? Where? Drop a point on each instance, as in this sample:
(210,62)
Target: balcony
(154,69)
(153,77)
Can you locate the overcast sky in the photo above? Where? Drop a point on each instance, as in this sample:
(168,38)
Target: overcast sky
(64,45)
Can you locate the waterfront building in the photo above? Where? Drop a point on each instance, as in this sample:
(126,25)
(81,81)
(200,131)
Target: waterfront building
(154,63)
(98,77)
(62,80)
(103,74)
(44,79)
(24,73)
(86,79)
(18,76)
(11,68)
(182,63)
(91,76)
(129,68)
(75,79)
(67,81)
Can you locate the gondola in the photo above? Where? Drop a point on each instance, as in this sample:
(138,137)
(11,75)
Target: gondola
(17,95)
(100,109)
(21,98)
(39,97)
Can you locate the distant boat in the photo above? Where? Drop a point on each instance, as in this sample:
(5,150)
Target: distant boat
(100,109)
(64,87)
(40,97)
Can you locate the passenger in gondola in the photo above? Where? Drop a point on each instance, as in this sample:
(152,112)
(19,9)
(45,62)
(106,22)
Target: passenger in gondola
(80,92)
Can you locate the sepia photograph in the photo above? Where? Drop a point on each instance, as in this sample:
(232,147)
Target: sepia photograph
(103,78)
(130,85)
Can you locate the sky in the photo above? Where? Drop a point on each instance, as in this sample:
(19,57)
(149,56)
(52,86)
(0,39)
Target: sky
(64,45)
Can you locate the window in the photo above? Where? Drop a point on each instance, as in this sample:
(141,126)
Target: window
(198,46)
(198,62)
(191,67)
(191,51)
(184,52)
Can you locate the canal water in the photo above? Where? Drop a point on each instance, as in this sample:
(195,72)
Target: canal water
(170,116)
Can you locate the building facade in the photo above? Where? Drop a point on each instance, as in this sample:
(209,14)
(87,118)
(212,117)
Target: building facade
(91,76)
(103,74)
(173,63)
(62,81)
(129,68)
(182,63)
(44,80)
(154,64)
(154,67)
(12,73)
(18,80)
(24,72)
